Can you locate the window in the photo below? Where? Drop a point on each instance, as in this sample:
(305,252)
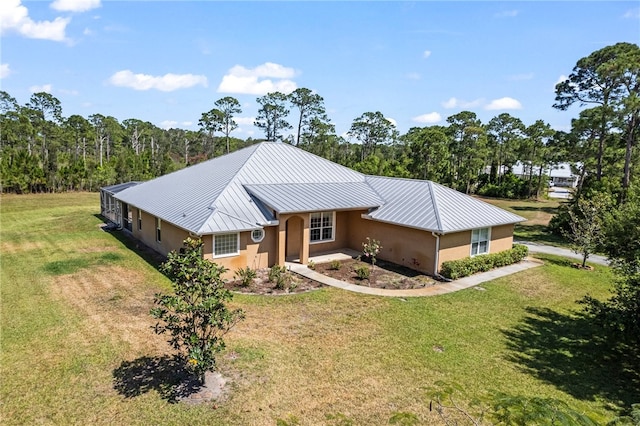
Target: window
(321,227)
(139,219)
(479,241)
(257,235)
(158,230)
(226,245)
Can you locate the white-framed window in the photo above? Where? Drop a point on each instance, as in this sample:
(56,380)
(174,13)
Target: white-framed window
(257,235)
(480,241)
(139,220)
(226,245)
(322,227)
(158,229)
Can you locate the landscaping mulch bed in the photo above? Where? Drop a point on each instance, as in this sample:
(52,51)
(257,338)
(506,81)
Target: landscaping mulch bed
(262,285)
(386,274)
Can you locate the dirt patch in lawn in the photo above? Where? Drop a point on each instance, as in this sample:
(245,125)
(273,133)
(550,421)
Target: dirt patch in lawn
(385,274)
(293,283)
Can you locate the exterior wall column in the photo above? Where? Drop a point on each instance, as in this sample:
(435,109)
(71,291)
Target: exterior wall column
(281,242)
(304,248)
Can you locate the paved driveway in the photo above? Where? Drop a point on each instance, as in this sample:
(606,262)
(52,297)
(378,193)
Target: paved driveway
(541,248)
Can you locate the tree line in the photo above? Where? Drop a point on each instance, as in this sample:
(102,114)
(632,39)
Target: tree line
(41,150)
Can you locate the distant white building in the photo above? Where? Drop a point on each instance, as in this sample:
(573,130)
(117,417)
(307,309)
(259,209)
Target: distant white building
(559,174)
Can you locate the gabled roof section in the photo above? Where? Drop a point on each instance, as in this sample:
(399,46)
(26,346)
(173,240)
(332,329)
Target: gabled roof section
(304,197)
(210,197)
(432,207)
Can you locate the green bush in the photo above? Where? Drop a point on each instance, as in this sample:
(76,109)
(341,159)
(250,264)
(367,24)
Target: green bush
(455,269)
(246,276)
(335,265)
(280,277)
(362,272)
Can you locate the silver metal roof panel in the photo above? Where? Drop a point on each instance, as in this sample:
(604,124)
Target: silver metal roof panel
(308,197)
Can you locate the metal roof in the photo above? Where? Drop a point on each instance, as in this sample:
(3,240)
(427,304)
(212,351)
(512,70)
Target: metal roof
(240,191)
(114,189)
(304,197)
(433,207)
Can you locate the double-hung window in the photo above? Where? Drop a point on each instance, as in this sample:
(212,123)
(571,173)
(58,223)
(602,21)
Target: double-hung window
(226,245)
(322,227)
(479,241)
(139,220)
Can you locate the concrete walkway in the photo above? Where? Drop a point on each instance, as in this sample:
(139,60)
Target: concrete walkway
(441,288)
(541,248)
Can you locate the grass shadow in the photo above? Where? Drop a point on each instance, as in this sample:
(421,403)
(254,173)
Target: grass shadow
(573,354)
(538,234)
(150,256)
(555,260)
(550,210)
(166,375)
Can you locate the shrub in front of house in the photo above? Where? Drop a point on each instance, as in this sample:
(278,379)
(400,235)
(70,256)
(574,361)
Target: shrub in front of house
(455,269)
(245,276)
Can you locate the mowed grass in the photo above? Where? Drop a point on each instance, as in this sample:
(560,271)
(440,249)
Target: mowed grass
(538,214)
(77,345)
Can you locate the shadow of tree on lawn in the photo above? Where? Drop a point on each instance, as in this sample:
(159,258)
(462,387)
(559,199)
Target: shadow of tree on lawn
(572,353)
(166,375)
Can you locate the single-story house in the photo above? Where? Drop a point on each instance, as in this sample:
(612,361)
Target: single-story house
(559,174)
(271,202)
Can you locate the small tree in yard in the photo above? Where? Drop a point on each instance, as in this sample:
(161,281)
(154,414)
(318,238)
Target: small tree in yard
(196,315)
(586,226)
(371,249)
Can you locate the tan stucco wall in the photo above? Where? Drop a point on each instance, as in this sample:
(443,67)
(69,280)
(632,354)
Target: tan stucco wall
(405,246)
(501,238)
(172,236)
(341,236)
(454,246)
(458,245)
(254,255)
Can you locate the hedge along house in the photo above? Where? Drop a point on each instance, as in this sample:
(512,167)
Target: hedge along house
(272,202)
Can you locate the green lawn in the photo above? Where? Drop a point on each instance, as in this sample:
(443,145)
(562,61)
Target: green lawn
(538,215)
(77,345)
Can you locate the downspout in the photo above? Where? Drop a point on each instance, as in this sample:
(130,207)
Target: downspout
(435,266)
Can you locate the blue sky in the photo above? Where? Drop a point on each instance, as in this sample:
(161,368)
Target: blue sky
(416,62)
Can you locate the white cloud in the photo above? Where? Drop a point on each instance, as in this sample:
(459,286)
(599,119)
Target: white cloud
(4,70)
(507,14)
(521,77)
(68,92)
(187,123)
(426,54)
(414,76)
(429,118)
(168,124)
(166,83)
(15,17)
(392,121)
(44,88)
(503,103)
(632,14)
(459,103)
(245,121)
(561,79)
(258,81)
(87,32)
(75,5)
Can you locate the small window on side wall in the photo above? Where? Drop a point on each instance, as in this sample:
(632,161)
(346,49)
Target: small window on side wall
(257,235)
(479,241)
(226,245)
(139,220)
(158,230)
